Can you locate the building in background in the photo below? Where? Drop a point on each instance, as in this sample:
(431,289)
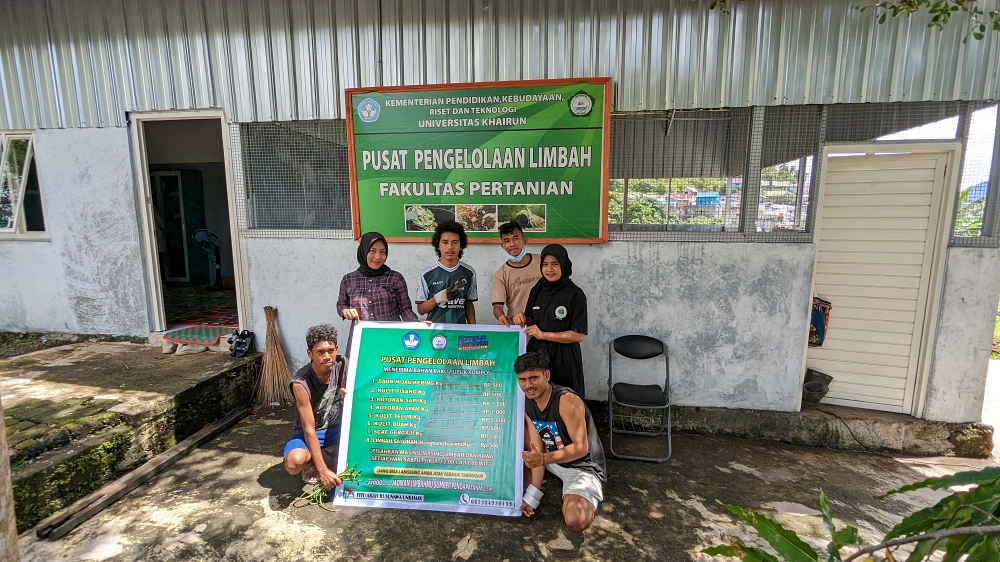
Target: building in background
(128,127)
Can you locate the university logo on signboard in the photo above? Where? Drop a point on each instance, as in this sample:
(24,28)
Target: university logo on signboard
(581,104)
(439,342)
(368,110)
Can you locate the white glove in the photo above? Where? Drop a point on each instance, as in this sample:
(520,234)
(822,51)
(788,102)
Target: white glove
(442,296)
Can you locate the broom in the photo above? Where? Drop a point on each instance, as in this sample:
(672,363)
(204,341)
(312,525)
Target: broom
(274,376)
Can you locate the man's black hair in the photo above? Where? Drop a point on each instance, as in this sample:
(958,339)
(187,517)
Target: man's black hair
(510,227)
(322,332)
(450,226)
(532,361)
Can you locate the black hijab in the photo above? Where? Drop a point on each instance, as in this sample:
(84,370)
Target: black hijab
(364,247)
(548,288)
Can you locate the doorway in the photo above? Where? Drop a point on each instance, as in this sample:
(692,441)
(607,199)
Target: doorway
(193,264)
(882,229)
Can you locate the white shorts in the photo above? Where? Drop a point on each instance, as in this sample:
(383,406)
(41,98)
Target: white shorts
(578,482)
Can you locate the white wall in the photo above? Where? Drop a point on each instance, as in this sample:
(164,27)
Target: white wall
(734,315)
(957,378)
(88,277)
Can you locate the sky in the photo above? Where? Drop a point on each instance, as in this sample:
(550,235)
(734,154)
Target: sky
(979,151)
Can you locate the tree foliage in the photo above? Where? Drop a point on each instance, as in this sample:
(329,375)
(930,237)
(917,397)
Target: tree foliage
(965,523)
(940,11)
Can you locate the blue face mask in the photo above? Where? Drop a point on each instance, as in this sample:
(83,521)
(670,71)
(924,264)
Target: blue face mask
(519,257)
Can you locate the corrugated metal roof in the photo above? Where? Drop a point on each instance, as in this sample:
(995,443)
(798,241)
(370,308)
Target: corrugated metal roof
(84,63)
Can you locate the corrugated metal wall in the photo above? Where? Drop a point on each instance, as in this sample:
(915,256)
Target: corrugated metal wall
(84,63)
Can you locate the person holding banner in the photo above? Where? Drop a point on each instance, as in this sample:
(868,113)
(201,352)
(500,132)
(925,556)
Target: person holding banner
(514,280)
(572,449)
(447,288)
(373,291)
(556,315)
(319,389)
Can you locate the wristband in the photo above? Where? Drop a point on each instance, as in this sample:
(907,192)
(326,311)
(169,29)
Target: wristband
(442,296)
(532,496)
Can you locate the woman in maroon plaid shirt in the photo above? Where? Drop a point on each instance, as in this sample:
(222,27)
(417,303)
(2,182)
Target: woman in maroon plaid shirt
(373,291)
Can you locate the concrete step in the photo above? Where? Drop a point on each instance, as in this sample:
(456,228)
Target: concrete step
(82,415)
(58,478)
(836,427)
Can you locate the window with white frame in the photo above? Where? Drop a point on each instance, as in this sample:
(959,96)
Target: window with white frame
(20,196)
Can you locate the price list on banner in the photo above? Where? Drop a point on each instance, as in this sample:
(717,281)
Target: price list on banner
(433,418)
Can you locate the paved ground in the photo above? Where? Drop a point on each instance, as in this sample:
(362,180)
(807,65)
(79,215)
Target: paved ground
(231,500)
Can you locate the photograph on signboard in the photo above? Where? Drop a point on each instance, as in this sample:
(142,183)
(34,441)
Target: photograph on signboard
(425,218)
(481,218)
(482,154)
(433,418)
(530,217)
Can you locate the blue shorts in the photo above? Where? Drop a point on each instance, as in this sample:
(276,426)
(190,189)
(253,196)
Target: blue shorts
(325,439)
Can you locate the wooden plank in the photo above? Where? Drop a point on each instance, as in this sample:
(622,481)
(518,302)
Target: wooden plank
(896,350)
(866,392)
(880,162)
(886,382)
(880,304)
(833,366)
(854,200)
(827,268)
(880,246)
(896,408)
(908,258)
(871,359)
(875,225)
(866,292)
(849,325)
(881,188)
(58,525)
(868,280)
(878,212)
(875,314)
(834,177)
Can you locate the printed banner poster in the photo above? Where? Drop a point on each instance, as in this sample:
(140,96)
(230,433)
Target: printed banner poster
(482,154)
(433,418)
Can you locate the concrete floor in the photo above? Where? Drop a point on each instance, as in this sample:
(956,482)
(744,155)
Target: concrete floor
(991,404)
(231,500)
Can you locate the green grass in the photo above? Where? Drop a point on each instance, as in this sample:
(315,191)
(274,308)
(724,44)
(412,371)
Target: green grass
(995,353)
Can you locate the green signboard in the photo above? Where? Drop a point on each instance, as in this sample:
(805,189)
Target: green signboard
(433,418)
(482,154)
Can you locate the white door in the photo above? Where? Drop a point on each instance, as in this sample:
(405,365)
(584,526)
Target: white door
(881,232)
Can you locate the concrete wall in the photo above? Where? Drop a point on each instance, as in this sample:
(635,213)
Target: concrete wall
(87,278)
(961,356)
(734,315)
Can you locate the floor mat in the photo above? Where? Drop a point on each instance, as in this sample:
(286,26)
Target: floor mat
(195,305)
(199,335)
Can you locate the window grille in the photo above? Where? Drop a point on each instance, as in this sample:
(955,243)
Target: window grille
(295,177)
(728,175)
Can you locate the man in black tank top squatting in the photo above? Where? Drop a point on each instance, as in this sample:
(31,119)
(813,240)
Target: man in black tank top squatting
(572,449)
(318,388)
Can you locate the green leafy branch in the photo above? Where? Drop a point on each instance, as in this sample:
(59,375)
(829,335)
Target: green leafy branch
(317,495)
(957,525)
(940,11)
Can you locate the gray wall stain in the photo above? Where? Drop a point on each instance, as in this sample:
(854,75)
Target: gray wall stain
(89,277)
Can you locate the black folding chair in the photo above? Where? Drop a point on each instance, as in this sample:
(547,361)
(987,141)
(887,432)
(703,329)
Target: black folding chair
(639,396)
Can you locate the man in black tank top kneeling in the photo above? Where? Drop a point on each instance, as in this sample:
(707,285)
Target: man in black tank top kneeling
(572,450)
